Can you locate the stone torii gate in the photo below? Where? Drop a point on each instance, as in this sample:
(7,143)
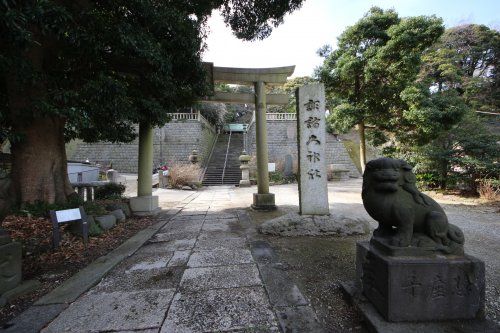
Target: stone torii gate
(259,78)
(146,203)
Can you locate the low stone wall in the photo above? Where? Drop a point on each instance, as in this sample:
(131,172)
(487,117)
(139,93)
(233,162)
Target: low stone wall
(282,141)
(172,144)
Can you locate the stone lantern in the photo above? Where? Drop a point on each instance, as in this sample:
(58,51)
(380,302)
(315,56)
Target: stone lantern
(245,172)
(193,158)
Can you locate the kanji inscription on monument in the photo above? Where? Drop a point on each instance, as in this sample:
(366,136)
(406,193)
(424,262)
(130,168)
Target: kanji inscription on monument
(313,191)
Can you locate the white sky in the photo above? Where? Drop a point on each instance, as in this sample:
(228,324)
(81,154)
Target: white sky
(320,22)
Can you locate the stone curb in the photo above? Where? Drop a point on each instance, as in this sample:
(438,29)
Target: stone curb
(292,309)
(82,281)
(36,317)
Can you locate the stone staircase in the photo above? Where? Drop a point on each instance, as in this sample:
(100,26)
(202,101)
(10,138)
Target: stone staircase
(215,169)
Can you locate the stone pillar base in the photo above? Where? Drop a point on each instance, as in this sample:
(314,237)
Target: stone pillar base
(421,288)
(245,183)
(263,201)
(145,205)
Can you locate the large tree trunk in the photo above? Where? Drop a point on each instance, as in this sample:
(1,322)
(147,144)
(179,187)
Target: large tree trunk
(39,166)
(443,175)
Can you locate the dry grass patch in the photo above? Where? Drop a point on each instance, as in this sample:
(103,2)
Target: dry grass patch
(489,189)
(184,174)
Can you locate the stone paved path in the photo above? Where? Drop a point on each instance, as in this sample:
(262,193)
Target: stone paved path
(202,272)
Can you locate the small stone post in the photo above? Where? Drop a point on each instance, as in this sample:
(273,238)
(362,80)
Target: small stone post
(245,172)
(112,175)
(311,129)
(81,191)
(262,200)
(161,179)
(89,193)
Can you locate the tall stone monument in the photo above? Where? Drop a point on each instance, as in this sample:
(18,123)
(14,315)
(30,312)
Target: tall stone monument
(313,218)
(414,267)
(311,127)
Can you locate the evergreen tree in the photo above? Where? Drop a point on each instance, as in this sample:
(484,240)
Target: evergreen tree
(375,61)
(458,76)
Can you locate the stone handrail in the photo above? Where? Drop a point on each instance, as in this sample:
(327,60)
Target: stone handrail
(205,121)
(225,160)
(192,116)
(281,116)
(204,170)
(251,121)
(245,134)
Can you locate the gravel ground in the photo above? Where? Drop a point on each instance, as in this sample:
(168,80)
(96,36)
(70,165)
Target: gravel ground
(319,264)
(481,226)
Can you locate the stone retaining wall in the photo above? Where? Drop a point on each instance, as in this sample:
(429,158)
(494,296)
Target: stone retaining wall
(172,144)
(282,141)
(181,137)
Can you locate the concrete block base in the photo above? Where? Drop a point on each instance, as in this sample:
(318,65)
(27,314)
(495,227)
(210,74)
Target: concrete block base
(263,201)
(421,288)
(245,183)
(145,205)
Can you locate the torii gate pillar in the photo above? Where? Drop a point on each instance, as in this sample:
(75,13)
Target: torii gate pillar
(262,199)
(145,203)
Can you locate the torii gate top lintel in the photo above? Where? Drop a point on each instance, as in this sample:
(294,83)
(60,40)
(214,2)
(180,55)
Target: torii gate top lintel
(248,76)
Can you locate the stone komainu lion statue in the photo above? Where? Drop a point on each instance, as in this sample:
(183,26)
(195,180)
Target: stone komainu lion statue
(406,216)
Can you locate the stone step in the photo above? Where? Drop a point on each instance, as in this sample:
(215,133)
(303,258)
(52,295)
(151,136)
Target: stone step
(215,169)
(226,182)
(227,175)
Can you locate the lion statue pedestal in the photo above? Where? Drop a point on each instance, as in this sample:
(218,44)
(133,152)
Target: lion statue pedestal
(414,267)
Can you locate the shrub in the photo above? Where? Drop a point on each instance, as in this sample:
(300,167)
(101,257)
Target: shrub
(93,208)
(278,178)
(42,209)
(489,189)
(109,191)
(184,174)
(427,180)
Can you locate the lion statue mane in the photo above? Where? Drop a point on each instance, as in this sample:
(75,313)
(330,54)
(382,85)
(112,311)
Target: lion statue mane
(406,216)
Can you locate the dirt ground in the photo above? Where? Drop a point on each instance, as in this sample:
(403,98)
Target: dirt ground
(318,266)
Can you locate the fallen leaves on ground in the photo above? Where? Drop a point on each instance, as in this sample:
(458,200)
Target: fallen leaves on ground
(52,266)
